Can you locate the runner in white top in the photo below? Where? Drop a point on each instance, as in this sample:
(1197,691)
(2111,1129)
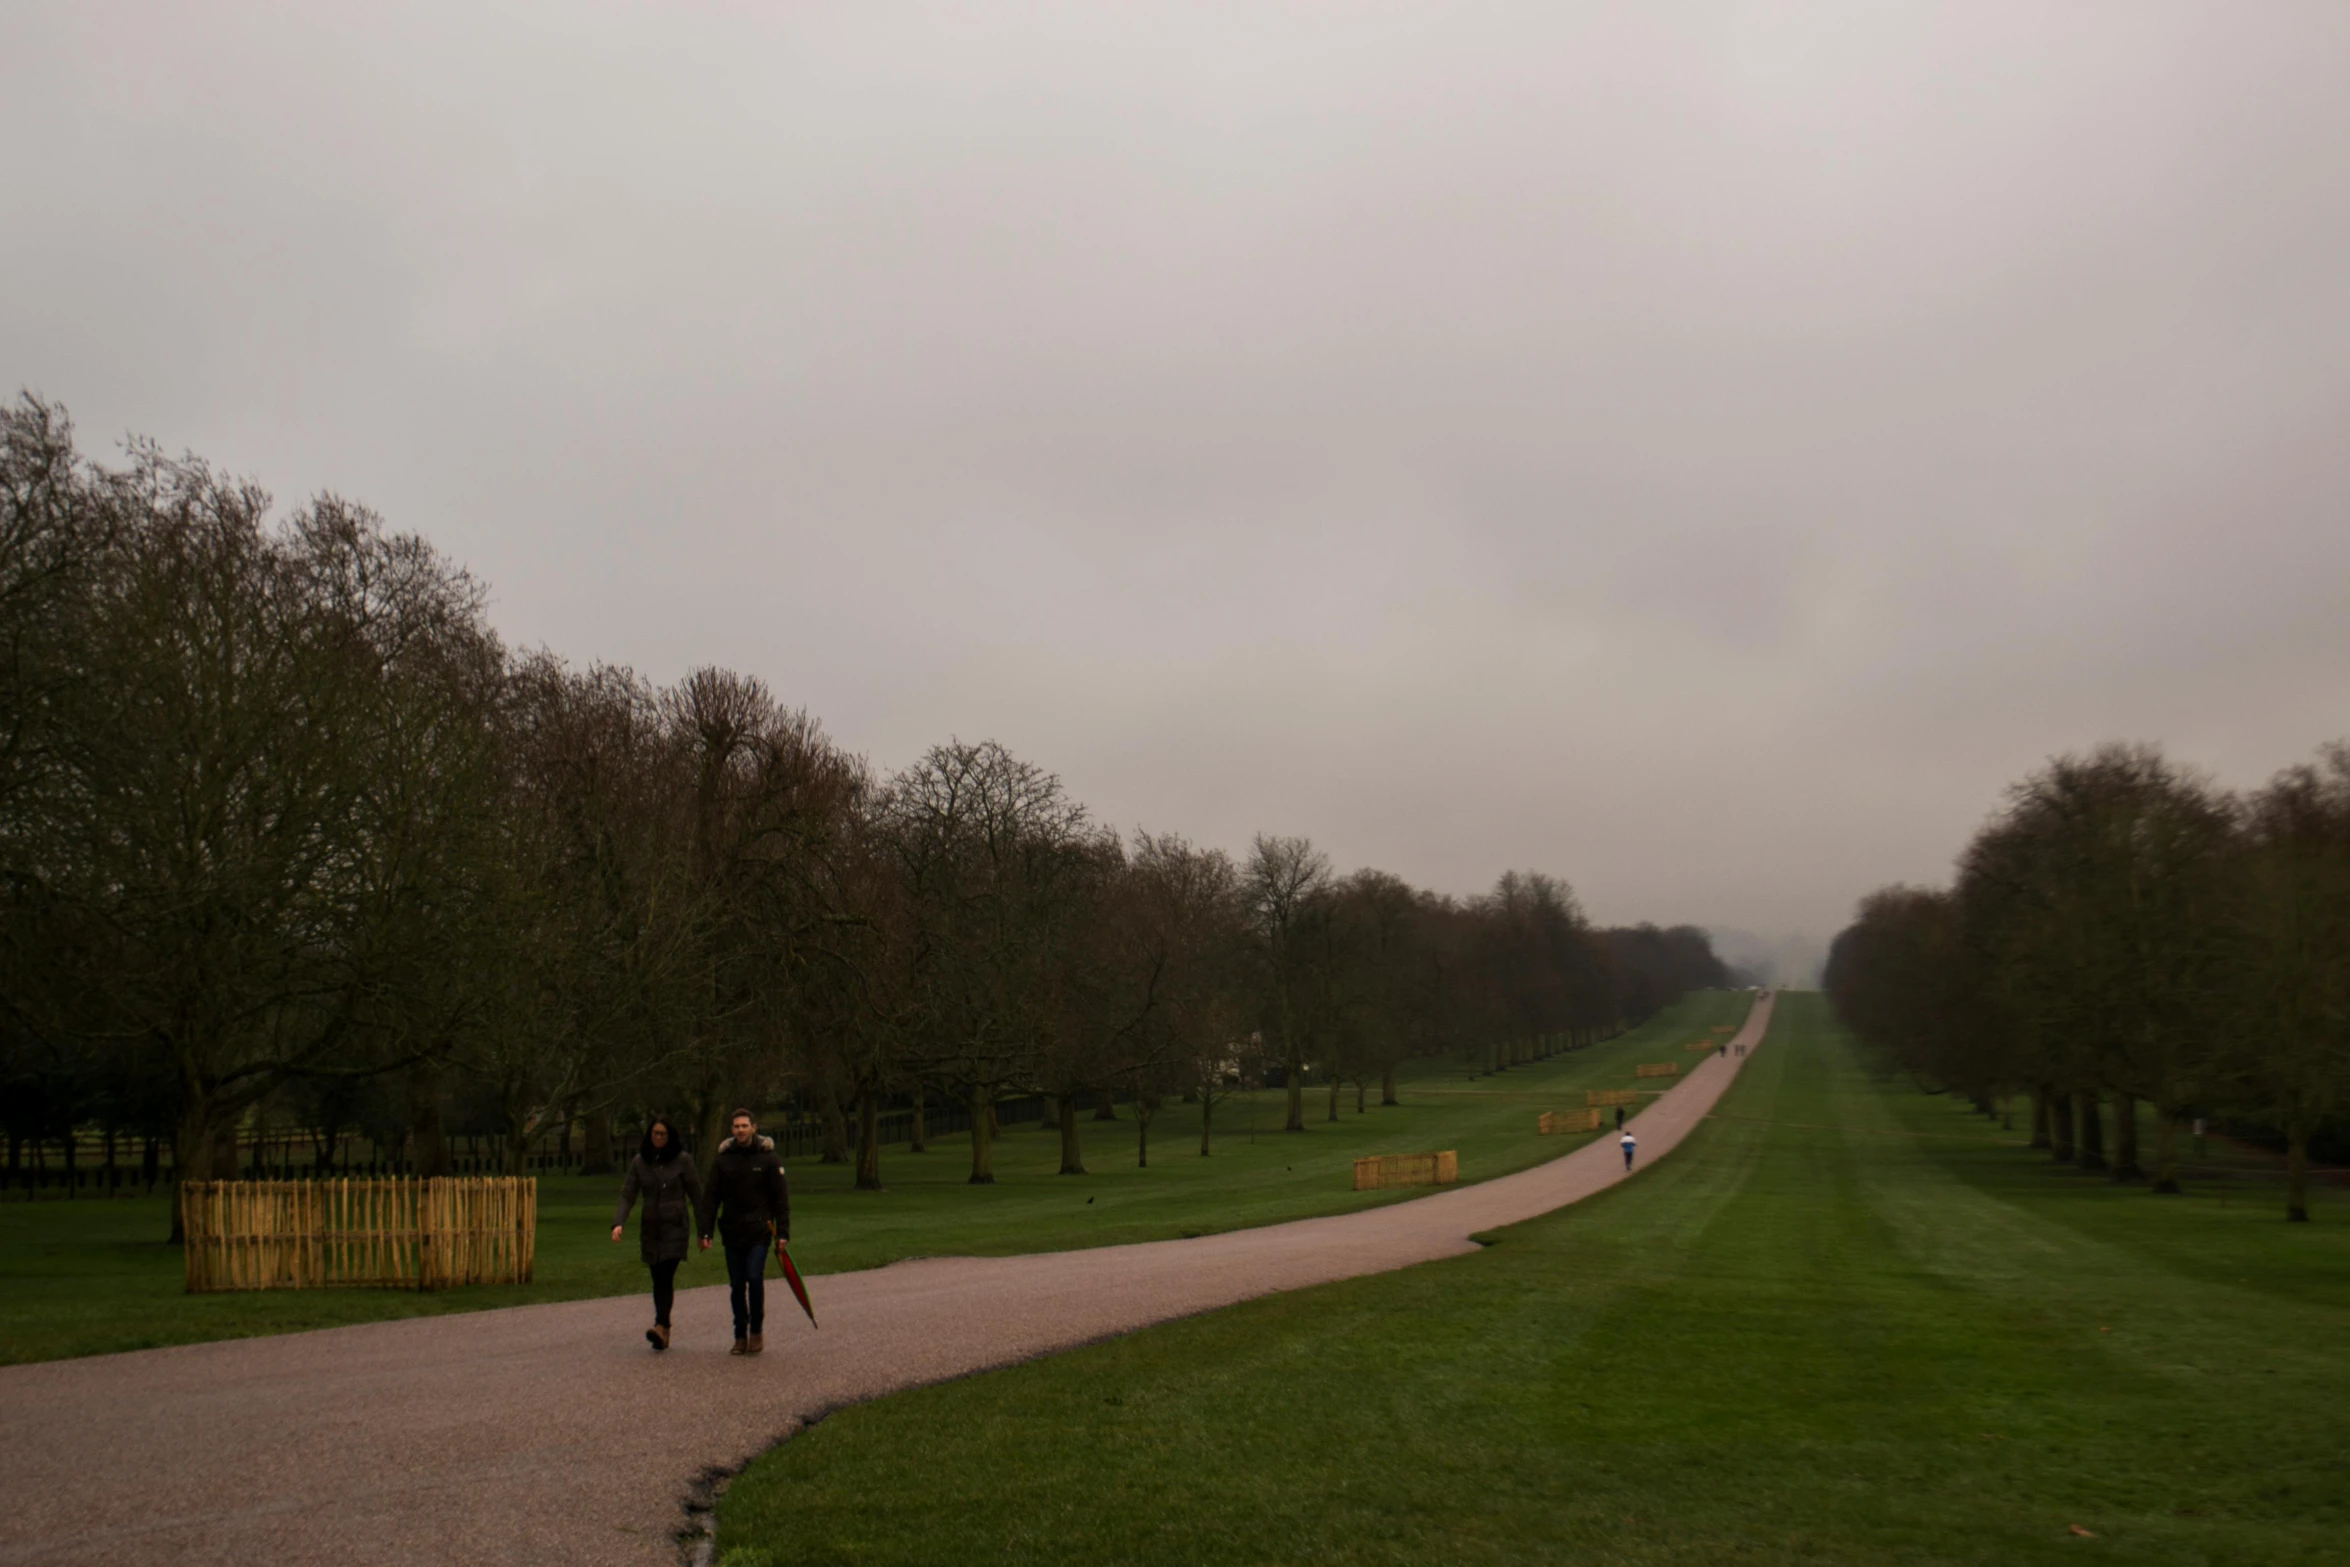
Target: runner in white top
(1629,1143)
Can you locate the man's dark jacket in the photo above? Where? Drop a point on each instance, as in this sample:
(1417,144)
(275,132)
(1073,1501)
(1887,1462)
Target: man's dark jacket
(745,1193)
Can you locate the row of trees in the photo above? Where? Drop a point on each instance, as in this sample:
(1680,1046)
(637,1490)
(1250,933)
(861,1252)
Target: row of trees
(2124,932)
(285,827)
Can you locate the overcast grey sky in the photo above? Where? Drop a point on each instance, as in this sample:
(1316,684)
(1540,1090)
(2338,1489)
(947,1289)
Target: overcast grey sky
(1702,450)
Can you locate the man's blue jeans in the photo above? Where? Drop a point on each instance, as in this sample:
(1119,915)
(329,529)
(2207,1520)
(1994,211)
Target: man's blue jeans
(746,1275)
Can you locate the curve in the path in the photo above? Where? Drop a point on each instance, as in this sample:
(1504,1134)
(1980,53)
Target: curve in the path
(549,1434)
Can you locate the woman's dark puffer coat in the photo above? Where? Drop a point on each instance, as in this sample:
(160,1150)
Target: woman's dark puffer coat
(671,1191)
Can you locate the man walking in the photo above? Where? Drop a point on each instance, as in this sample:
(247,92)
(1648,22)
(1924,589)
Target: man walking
(1628,1144)
(746,1202)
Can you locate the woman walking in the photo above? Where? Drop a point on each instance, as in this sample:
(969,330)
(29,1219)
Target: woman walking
(663,1174)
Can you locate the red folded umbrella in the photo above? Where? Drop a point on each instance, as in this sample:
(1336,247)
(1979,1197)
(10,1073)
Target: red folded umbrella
(791,1276)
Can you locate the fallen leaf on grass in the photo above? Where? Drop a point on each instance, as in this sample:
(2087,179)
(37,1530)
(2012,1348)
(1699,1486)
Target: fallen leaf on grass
(2086,1534)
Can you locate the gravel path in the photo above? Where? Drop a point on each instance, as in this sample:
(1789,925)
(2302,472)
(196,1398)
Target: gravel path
(551,1434)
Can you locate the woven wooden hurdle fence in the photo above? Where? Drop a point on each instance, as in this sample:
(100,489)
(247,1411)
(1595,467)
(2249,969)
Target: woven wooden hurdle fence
(1702,1044)
(1725,1028)
(1658,1069)
(1611,1096)
(1407,1169)
(369,1234)
(1553,1122)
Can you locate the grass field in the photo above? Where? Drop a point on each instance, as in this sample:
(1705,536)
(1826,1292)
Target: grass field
(93,1276)
(1844,1322)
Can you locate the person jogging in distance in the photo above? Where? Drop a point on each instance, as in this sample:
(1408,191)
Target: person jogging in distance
(746,1202)
(663,1174)
(1628,1143)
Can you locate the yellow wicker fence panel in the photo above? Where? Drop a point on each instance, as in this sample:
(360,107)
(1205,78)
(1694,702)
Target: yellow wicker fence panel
(1658,1069)
(369,1234)
(1702,1044)
(1555,1121)
(1611,1096)
(1407,1169)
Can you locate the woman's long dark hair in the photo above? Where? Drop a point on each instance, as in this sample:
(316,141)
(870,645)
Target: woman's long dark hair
(668,1150)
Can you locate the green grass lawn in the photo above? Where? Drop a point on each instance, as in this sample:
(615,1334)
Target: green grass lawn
(93,1276)
(1845,1322)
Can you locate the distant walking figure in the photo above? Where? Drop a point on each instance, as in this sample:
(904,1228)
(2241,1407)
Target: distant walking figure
(1619,1118)
(663,1174)
(1725,1049)
(748,1205)
(1629,1143)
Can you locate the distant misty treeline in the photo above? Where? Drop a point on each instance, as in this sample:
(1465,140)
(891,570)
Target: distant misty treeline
(287,835)
(2122,931)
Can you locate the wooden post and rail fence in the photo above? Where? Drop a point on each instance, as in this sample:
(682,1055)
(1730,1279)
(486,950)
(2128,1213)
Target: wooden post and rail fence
(397,1233)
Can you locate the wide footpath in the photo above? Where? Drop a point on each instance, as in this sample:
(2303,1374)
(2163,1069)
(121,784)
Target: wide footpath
(550,1434)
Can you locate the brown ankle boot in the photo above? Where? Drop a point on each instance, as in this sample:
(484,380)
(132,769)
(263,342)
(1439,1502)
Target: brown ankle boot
(754,1344)
(738,1347)
(658,1335)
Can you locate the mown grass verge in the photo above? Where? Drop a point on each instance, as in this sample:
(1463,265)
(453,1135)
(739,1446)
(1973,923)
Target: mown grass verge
(1812,1334)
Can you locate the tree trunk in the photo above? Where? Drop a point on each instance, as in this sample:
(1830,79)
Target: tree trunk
(982,1138)
(425,1131)
(1207,1111)
(1050,1121)
(2060,1126)
(1072,1153)
(1142,1133)
(2166,1150)
(2089,1131)
(868,1140)
(2297,1129)
(197,1149)
(1107,1110)
(1335,1085)
(2125,1138)
(915,1135)
(1296,1083)
(836,1126)
(711,1127)
(1387,1085)
(599,1137)
(1361,1084)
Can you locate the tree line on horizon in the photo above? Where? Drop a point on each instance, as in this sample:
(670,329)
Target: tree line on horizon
(288,834)
(2124,932)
